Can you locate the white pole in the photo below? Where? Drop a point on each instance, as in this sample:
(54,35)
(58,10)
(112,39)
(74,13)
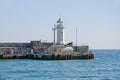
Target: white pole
(76,38)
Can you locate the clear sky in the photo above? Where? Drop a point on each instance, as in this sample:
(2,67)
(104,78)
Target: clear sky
(97,21)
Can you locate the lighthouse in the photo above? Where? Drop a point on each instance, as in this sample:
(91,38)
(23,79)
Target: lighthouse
(60,32)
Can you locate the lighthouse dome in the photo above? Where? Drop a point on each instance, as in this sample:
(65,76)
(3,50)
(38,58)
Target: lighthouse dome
(59,20)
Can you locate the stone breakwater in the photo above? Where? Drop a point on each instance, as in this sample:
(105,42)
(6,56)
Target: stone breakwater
(66,56)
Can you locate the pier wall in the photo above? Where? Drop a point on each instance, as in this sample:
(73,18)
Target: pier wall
(32,44)
(66,56)
(33,47)
(15,45)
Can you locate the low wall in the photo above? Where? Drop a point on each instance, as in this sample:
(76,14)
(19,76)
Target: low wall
(80,49)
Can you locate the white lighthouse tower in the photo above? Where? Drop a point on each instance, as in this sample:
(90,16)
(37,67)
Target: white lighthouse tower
(60,32)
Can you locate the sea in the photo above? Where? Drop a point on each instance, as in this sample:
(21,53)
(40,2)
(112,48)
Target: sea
(105,66)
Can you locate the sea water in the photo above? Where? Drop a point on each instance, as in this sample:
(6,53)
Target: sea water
(106,66)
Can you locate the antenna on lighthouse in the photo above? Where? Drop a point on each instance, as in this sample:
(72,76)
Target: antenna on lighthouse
(60,14)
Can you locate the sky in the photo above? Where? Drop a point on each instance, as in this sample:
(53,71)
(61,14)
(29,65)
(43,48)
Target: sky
(97,21)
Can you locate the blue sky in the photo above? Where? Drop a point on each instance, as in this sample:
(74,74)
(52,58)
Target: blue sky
(97,21)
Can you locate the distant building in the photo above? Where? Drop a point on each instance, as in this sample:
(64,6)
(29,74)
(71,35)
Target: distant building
(36,44)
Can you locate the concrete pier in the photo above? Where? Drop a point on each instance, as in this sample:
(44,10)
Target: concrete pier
(66,56)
